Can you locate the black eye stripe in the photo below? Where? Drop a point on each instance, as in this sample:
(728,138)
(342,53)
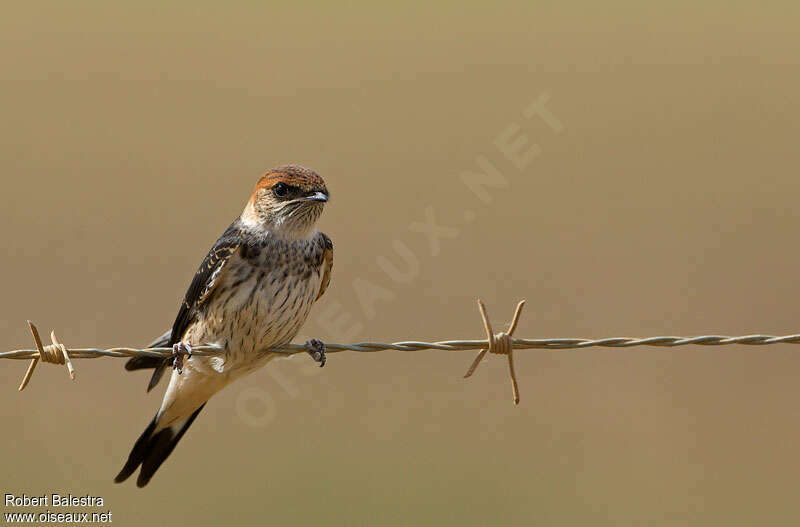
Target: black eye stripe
(283,190)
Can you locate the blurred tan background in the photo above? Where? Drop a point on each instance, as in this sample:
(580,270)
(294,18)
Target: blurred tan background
(132,136)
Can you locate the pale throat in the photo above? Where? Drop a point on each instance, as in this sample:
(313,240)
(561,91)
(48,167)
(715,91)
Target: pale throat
(275,224)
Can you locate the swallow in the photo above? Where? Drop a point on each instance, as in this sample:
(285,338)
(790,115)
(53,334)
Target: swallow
(254,290)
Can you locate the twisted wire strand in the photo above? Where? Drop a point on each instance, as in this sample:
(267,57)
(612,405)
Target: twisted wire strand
(501,343)
(445,345)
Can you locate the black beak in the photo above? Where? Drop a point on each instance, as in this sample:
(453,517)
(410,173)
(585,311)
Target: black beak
(320,197)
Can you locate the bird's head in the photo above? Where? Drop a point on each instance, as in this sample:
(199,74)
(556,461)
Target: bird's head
(287,200)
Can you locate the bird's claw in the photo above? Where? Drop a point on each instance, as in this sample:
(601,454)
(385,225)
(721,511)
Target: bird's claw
(178,351)
(316,348)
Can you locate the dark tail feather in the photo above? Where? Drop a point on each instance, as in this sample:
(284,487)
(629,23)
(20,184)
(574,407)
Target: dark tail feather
(137,455)
(151,449)
(159,364)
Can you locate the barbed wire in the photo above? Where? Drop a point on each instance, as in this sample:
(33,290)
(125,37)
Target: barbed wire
(501,343)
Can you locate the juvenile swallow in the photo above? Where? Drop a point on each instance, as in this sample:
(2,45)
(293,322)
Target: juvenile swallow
(253,291)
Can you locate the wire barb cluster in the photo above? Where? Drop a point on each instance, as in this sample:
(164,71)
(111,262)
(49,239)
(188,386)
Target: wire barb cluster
(501,343)
(55,353)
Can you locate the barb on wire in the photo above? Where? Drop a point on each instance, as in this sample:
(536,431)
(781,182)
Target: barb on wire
(501,343)
(55,353)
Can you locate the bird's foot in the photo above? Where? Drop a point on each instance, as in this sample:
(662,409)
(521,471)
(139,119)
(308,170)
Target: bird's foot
(316,348)
(178,351)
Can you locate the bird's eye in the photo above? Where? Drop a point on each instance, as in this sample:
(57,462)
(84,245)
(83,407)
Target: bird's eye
(281,190)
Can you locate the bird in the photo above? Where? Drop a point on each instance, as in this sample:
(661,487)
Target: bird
(254,290)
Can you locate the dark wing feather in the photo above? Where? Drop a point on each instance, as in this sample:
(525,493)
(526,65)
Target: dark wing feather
(327,266)
(205,280)
(202,287)
(144,363)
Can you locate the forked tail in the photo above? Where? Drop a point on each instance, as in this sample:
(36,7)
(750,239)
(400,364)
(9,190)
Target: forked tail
(152,448)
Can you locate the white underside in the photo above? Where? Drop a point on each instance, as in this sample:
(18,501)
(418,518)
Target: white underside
(246,323)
